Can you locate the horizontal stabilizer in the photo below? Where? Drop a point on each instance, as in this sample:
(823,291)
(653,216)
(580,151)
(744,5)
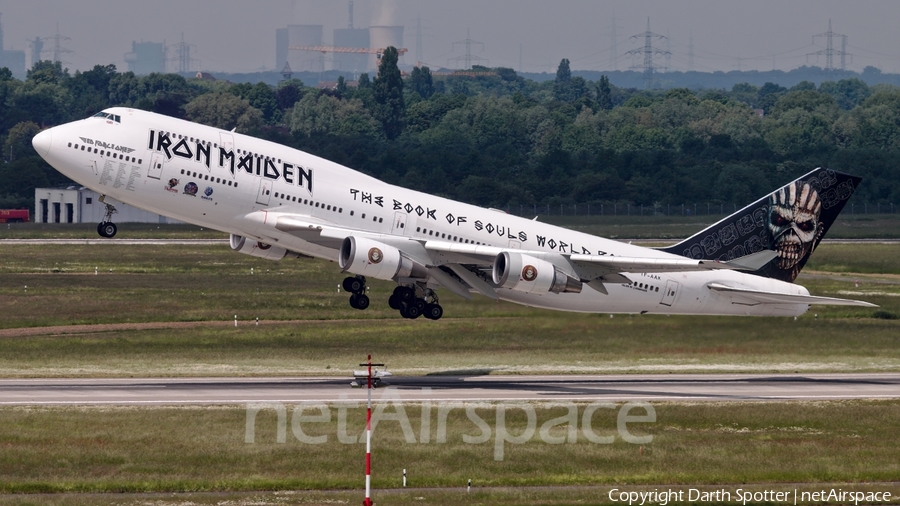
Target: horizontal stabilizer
(753,261)
(762,297)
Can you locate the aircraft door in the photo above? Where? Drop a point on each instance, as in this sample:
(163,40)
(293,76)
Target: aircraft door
(265,191)
(157,160)
(671,291)
(227,141)
(399,224)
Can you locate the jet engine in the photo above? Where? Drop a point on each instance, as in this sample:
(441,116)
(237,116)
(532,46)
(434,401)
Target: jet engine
(367,257)
(528,274)
(258,249)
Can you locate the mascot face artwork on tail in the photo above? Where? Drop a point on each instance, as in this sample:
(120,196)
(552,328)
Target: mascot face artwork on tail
(794,225)
(791,221)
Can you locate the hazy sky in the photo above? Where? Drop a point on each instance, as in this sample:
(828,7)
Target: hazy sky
(239,35)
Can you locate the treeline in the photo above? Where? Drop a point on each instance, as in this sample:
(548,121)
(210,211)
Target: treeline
(499,140)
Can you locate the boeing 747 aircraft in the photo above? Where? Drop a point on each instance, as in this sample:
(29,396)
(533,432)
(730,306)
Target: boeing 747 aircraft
(278,202)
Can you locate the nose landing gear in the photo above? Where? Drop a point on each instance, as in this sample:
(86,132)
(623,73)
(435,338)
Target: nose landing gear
(107,228)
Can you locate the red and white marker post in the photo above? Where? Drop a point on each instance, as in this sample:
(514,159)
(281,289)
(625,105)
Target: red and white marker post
(368,499)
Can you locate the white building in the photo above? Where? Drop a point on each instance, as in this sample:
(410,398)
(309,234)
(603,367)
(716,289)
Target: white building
(80,205)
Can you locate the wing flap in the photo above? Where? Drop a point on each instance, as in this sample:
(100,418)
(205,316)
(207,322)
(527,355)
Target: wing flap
(763,297)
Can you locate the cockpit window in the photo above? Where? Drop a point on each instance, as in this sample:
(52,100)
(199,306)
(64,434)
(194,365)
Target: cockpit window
(108,116)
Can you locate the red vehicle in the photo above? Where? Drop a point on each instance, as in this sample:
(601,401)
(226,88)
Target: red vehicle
(14,215)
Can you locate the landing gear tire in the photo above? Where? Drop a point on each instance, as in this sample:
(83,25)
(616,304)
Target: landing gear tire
(107,229)
(394,302)
(405,294)
(433,311)
(359,301)
(410,311)
(354,284)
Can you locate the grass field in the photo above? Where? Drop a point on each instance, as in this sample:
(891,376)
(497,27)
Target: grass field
(192,449)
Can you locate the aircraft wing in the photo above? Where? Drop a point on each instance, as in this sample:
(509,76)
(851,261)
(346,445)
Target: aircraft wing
(594,269)
(605,264)
(755,297)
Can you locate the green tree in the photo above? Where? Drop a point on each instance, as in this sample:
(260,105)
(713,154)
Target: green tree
(848,92)
(604,94)
(262,98)
(288,93)
(18,141)
(562,86)
(47,72)
(341,88)
(322,114)
(225,111)
(421,82)
(388,87)
(124,89)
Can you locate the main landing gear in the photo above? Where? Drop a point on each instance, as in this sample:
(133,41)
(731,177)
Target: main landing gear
(357,287)
(404,300)
(107,228)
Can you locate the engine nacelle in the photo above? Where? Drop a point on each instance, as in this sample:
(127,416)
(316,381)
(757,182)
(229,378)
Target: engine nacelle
(258,249)
(367,257)
(525,273)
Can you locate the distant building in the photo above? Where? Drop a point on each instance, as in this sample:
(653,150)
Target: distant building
(13,60)
(299,35)
(146,58)
(350,62)
(80,205)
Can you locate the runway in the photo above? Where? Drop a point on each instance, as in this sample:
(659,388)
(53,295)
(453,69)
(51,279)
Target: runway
(461,388)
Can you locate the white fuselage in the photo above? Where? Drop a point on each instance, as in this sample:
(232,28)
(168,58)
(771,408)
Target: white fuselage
(149,161)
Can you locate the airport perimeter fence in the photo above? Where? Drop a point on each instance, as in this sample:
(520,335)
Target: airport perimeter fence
(628,209)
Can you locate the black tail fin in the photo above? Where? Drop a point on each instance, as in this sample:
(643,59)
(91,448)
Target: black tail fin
(792,220)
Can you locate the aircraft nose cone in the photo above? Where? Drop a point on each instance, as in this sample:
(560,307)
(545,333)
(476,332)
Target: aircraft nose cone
(42,141)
